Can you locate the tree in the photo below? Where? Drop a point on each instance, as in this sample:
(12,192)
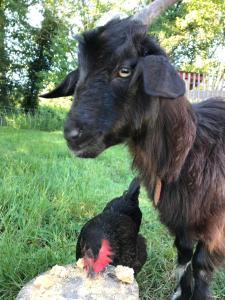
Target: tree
(190,30)
(41,59)
(26,51)
(33,57)
(4,65)
(14,49)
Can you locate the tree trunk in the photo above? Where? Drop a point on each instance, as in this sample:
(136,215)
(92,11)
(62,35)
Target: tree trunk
(4,65)
(42,60)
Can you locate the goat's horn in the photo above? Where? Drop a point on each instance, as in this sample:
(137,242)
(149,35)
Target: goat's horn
(148,14)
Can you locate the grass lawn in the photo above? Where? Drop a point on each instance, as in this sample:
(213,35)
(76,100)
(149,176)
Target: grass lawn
(46,195)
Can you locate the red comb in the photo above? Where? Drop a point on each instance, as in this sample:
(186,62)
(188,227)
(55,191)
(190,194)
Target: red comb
(104,257)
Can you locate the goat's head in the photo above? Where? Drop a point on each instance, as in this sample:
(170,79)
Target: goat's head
(121,74)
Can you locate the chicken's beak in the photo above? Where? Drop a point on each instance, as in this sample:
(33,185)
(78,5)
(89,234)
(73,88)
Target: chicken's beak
(89,263)
(90,272)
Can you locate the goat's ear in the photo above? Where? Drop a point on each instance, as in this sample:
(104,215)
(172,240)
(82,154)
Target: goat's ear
(160,78)
(65,88)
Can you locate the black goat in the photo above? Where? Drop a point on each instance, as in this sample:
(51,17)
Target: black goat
(126,91)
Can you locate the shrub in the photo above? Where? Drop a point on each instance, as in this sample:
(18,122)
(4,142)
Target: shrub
(46,118)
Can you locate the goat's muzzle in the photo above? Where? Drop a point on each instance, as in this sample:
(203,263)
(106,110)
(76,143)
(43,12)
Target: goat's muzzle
(84,143)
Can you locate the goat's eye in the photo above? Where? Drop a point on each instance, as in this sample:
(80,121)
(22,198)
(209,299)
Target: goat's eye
(124,72)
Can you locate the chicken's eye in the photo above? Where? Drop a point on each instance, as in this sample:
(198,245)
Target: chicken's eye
(124,72)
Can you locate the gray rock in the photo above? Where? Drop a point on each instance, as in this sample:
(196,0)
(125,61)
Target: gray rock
(71,283)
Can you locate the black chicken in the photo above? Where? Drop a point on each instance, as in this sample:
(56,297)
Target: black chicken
(112,236)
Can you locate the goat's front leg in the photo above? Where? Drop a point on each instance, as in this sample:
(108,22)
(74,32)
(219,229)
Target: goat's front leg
(202,271)
(184,271)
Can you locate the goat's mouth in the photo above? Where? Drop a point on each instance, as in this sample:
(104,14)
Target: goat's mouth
(87,153)
(90,148)
(91,145)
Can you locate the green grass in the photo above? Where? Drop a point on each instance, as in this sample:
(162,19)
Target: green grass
(46,118)
(46,195)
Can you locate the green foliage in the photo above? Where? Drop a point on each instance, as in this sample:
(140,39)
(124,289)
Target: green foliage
(46,118)
(41,59)
(47,195)
(35,57)
(18,46)
(28,50)
(191,31)
(4,59)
